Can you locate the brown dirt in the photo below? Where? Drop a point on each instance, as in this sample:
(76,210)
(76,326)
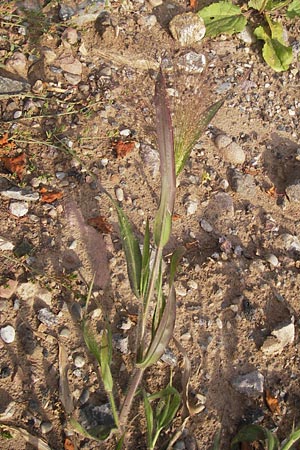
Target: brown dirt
(238,298)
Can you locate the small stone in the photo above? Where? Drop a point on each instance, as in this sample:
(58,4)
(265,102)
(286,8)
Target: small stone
(8,334)
(38,87)
(84,397)
(243,184)
(70,35)
(65,12)
(65,332)
(121,343)
(17,114)
(247,35)
(251,384)
(120,194)
(293,191)
(222,141)
(125,133)
(155,3)
(273,260)
(192,284)
(223,87)
(8,289)
(79,361)
(181,291)
(231,151)
(17,64)
(191,206)
(5,372)
(169,357)
(150,158)
(9,86)
(192,62)
(47,317)
(280,337)
(5,244)
(180,445)
(290,242)
(21,194)
(224,184)
(72,78)
(104,162)
(219,323)
(206,226)
(187,28)
(18,209)
(46,427)
(186,336)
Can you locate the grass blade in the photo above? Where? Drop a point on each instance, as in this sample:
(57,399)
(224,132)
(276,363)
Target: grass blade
(35,441)
(175,260)
(189,131)
(163,220)
(291,440)
(145,260)
(91,342)
(163,333)
(105,360)
(64,388)
(149,418)
(252,433)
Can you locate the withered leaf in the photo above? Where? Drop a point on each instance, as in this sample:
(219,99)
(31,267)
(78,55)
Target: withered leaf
(15,164)
(101,224)
(49,197)
(272,402)
(68,444)
(123,148)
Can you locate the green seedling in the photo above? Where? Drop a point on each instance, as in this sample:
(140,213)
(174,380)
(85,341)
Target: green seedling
(153,289)
(226,18)
(257,433)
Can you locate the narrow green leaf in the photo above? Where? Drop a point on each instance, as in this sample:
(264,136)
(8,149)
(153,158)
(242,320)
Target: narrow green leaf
(163,333)
(293,9)
(252,433)
(105,360)
(187,134)
(217,441)
(145,260)
(149,418)
(163,219)
(169,407)
(291,440)
(99,434)
(275,53)
(222,17)
(120,442)
(91,342)
(175,260)
(132,251)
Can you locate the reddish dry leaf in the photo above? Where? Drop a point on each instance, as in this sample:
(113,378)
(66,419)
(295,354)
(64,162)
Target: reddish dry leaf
(15,164)
(68,445)
(101,224)
(49,197)
(124,148)
(193,4)
(5,146)
(176,217)
(272,402)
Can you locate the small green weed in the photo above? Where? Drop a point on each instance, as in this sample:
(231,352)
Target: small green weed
(225,17)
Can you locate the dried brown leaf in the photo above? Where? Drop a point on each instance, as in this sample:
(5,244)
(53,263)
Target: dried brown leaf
(101,224)
(15,164)
(123,148)
(272,402)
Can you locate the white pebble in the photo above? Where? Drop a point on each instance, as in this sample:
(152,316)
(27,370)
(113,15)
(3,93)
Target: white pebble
(219,323)
(104,162)
(273,260)
(120,194)
(46,427)
(191,207)
(206,226)
(18,209)
(181,291)
(8,334)
(17,114)
(192,284)
(125,132)
(79,361)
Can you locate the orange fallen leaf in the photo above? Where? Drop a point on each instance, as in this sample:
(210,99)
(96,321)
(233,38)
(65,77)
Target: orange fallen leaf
(123,148)
(68,445)
(176,217)
(272,402)
(193,4)
(15,164)
(101,224)
(5,145)
(49,197)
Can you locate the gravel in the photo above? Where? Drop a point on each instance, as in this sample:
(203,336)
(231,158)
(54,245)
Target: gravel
(7,334)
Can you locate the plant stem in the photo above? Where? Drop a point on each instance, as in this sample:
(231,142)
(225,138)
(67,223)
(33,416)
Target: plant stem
(113,408)
(133,385)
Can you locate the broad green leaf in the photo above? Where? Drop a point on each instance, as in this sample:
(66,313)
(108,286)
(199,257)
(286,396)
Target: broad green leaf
(267,5)
(222,17)
(252,433)
(293,9)
(149,418)
(163,332)
(132,251)
(275,53)
(187,134)
(291,440)
(276,28)
(163,219)
(145,260)
(175,260)
(260,5)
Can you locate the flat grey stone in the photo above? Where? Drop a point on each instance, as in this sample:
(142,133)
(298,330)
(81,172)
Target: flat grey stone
(243,184)
(10,86)
(280,337)
(21,194)
(5,244)
(18,209)
(293,191)
(251,384)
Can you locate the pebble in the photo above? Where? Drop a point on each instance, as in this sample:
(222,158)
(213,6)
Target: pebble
(223,87)
(187,28)
(9,86)
(104,162)
(21,194)
(231,151)
(8,289)
(247,35)
(79,361)
(8,334)
(60,175)
(251,384)
(18,209)
(126,132)
(150,158)
(120,194)
(206,226)
(280,337)
(293,191)
(5,244)
(65,332)
(192,62)
(46,427)
(192,284)
(47,317)
(70,35)
(121,343)
(243,183)
(224,184)
(273,260)
(84,397)
(191,206)
(181,291)
(65,12)
(180,445)
(155,3)
(290,242)
(169,357)
(17,114)
(219,323)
